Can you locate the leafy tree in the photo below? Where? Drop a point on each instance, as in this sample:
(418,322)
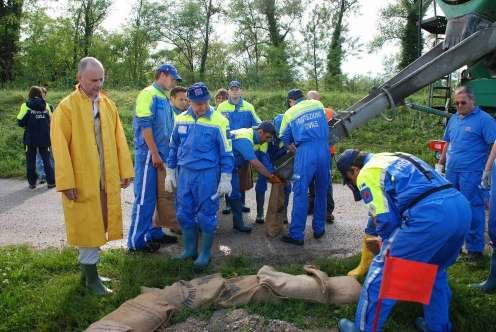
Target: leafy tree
(316,36)
(10,24)
(399,22)
(280,21)
(86,18)
(336,51)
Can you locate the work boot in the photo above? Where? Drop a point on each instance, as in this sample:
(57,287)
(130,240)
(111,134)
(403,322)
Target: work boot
(489,285)
(346,325)
(227,209)
(289,239)
(205,250)
(260,196)
(238,222)
(190,243)
(93,281)
(167,239)
(365,260)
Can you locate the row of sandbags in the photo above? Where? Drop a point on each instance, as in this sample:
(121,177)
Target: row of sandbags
(153,309)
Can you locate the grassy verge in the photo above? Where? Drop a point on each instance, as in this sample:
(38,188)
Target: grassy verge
(408,131)
(41,290)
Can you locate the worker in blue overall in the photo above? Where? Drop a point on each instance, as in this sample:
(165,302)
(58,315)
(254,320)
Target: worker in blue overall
(469,134)
(304,130)
(275,150)
(420,217)
(249,146)
(241,114)
(152,124)
(200,162)
(488,181)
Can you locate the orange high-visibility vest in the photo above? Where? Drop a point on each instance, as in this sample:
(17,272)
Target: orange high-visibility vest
(330,114)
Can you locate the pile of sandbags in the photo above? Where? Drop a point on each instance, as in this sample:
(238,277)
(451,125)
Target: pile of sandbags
(153,309)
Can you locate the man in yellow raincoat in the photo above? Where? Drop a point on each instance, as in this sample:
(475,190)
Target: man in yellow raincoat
(92,164)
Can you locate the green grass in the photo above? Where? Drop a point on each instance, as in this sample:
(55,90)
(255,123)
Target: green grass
(41,290)
(409,130)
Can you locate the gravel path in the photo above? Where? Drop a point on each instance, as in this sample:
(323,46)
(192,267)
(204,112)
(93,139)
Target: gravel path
(35,217)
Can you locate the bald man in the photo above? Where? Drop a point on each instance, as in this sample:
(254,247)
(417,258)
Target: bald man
(92,164)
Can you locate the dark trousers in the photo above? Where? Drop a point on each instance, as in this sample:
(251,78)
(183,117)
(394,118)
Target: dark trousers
(31,164)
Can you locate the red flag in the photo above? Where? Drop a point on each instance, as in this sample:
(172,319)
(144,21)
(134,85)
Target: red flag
(407,280)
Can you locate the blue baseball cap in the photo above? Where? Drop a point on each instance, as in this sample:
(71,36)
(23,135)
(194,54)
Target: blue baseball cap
(295,94)
(345,161)
(234,84)
(169,69)
(198,93)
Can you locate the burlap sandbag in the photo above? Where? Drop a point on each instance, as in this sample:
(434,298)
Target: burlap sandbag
(275,211)
(195,293)
(245,177)
(165,213)
(244,290)
(312,288)
(343,290)
(146,312)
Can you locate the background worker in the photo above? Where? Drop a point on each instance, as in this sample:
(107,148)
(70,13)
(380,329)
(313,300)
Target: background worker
(165,215)
(153,123)
(249,146)
(469,135)
(304,130)
(275,150)
(220,96)
(241,114)
(40,168)
(92,164)
(34,117)
(314,95)
(419,215)
(201,151)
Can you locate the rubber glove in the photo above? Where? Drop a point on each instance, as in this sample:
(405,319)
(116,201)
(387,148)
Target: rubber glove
(224,187)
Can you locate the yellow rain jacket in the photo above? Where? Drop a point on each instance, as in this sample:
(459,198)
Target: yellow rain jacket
(77,165)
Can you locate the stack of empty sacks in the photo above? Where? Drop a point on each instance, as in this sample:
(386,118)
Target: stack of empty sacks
(153,309)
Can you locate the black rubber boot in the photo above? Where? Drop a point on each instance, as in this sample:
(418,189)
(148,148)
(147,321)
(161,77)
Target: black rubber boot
(238,222)
(93,281)
(260,196)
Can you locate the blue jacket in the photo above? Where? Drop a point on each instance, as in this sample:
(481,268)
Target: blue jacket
(304,122)
(388,184)
(153,110)
(241,115)
(201,143)
(469,141)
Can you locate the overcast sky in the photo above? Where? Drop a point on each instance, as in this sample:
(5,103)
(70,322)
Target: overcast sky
(362,25)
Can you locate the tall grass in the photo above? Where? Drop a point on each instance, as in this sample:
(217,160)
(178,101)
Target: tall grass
(408,131)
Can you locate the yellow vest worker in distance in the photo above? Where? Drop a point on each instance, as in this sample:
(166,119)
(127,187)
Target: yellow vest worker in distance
(249,146)
(92,164)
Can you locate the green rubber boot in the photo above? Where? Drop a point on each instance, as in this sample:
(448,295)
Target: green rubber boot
(205,250)
(93,281)
(190,243)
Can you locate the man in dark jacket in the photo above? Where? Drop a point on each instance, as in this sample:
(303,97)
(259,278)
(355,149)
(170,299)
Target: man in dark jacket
(34,117)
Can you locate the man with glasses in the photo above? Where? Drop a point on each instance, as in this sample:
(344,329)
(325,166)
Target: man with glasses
(469,134)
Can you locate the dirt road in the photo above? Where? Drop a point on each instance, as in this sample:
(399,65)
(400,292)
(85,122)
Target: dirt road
(35,217)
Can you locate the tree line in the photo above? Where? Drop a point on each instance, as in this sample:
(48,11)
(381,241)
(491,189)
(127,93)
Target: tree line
(264,43)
